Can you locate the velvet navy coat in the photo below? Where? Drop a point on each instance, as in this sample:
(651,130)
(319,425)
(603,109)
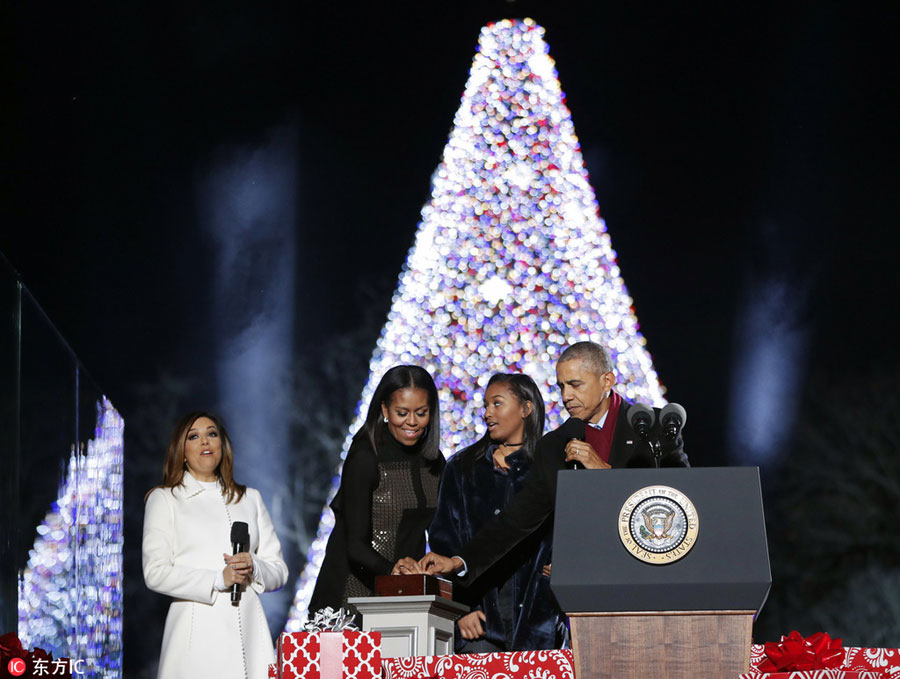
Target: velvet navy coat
(520,611)
(530,508)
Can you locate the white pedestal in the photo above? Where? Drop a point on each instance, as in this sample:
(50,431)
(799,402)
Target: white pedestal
(410,625)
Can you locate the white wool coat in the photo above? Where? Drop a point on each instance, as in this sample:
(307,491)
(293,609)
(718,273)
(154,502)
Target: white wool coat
(187,529)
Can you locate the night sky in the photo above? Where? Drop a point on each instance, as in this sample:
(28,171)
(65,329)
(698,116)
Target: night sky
(732,146)
(721,142)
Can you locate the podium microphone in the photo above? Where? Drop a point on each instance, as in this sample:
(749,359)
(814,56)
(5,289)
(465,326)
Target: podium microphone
(641,417)
(240,542)
(672,418)
(574,429)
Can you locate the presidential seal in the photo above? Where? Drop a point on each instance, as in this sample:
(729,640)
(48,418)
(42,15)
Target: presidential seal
(658,525)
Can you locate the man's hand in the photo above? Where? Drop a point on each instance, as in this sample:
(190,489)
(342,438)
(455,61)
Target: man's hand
(435,564)
(470,625)
(407,566)
(584,454)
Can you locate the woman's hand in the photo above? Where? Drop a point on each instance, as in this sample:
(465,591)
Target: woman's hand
(547,569)
(407,566)
(238,568)
(470,625)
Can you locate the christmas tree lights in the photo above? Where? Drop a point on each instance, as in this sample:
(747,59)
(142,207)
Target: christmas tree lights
(511,262)
(70,593)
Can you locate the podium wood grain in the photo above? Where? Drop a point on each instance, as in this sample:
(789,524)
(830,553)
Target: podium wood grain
(661,645)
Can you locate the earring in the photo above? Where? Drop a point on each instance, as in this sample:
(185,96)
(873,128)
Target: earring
(385,420)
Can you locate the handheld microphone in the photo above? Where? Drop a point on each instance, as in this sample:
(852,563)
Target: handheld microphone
(641,417)
(672,418)
(240,541)
(573,428)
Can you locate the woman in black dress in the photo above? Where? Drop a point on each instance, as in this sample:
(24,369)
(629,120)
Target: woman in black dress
(512,606)
(388,492)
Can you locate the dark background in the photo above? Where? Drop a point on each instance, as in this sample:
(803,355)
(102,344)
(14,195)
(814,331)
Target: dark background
(729,145)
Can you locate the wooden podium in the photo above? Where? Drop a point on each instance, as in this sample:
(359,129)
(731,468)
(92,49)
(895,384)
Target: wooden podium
(685,613)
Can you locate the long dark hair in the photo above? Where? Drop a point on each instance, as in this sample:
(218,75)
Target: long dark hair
(174,466)
(525,390)
(397,378)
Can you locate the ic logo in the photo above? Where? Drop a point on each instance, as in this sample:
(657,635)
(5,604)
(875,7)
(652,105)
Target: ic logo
(16,667)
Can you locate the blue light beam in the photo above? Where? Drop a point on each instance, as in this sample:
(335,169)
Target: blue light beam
(248,208)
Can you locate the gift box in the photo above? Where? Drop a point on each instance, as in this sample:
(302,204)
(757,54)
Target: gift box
(820,657)
(523,664)
(348,654)
(815,674)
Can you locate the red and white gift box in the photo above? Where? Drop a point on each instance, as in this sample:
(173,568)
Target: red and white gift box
(859,663)
(815,674)
(519,665)
(329,655)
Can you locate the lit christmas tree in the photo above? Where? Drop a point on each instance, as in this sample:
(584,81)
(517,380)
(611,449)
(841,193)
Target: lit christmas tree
(70,593)
(511,262)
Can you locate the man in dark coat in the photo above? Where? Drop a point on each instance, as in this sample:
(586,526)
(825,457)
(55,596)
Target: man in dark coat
(585,378)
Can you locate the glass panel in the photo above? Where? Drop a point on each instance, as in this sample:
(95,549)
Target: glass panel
(47,438)
(9,443)
(68,554)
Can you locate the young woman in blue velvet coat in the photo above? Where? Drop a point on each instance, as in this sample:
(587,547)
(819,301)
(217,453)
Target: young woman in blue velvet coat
(512,606)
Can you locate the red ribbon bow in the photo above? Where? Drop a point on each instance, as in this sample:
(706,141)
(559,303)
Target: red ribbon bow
(796,654)
(11,647)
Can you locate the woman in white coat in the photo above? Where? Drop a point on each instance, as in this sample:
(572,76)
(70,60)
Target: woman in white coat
(187,541)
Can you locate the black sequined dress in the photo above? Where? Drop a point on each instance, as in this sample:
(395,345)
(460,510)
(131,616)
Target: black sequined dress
(382,509)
